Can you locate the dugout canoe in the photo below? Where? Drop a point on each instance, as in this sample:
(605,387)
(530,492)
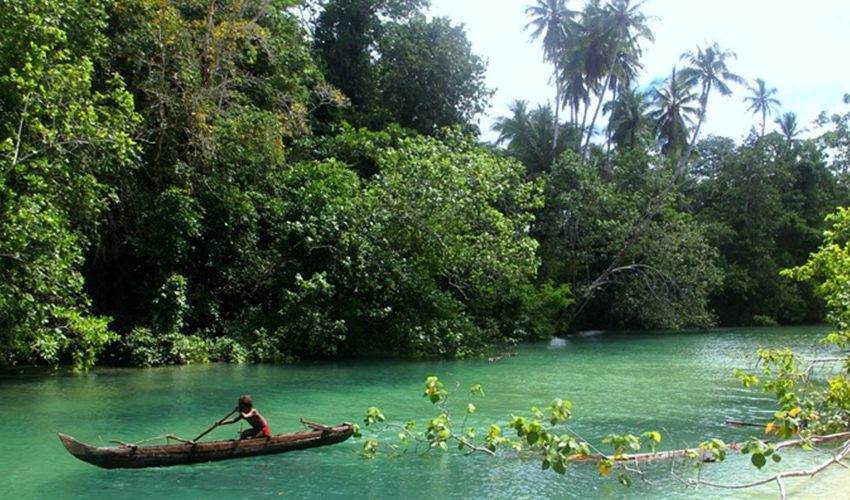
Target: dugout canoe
(137,456)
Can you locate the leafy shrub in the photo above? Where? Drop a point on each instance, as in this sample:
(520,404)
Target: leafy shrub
(144,348)
(227,349)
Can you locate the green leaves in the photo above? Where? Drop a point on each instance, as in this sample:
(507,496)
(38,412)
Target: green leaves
(622,443)
(760,451)
(715,448)
(434,390)
(64,136)
(406,69)
(373,416)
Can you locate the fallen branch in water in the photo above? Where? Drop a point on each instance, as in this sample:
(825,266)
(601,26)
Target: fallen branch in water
(744,424)
(689,453)
(843,453)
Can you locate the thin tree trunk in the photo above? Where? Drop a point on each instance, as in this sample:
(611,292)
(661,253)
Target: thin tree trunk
(555,125)
(584,122)
(206,70)
(598,106)
(680,165)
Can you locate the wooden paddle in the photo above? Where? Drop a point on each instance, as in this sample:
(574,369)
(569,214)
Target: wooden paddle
(216,424)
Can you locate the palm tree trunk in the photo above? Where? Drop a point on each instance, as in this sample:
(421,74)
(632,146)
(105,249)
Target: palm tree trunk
(598,106)
(763,119)
(584,121)
(556,124)
(680,165)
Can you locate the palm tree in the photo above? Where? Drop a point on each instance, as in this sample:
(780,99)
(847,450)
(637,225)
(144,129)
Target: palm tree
(707,69)
(552,21)
(789,127)
(529,136)
(674,110)
(574,84)
(629,122)
(762,101)
(619,27)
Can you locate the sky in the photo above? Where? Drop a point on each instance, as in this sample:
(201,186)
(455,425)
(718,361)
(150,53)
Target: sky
(798,47)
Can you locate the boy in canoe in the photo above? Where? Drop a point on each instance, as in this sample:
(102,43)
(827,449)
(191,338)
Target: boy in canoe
(259,427)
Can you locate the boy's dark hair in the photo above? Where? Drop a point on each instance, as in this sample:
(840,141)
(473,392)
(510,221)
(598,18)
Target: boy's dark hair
(246,401)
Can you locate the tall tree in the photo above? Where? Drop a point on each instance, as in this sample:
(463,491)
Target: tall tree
(836,141)
(552,21)
(629,124)
(789,127)
(65,134)
(766,208)
(762,101)
(674,110)
(662,280)
(706,69)
(346,35)
(222,87)
(621,27)
(396,66)
(428,77)
(529,136)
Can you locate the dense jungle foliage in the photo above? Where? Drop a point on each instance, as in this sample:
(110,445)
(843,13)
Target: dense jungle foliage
(256,180)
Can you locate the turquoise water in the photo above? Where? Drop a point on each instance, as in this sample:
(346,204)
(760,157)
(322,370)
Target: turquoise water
(680,384)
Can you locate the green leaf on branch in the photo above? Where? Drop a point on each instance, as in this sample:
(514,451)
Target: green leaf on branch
(373,415)
(605,467)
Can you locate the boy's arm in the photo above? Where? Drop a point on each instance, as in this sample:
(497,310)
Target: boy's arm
(227,421)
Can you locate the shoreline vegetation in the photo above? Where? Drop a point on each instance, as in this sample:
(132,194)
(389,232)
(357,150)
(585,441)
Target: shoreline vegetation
(192,181)
(186,181)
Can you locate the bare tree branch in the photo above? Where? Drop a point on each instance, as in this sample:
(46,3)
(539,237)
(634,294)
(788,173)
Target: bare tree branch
(843,453)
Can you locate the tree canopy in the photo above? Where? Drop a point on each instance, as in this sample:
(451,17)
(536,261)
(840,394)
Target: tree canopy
(252,180)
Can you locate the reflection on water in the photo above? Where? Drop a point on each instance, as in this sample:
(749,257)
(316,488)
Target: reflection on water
(679,383)
(557,343)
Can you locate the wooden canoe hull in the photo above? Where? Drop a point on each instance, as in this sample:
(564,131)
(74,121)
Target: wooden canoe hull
(112,457)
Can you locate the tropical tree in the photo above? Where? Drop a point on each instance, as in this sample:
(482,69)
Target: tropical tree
(346,34)
(707,69)
(789,127)
(446,230)
(64,134)
(619,28)
(661,279)
(762,101)
(428,75)
(553,22)
(528,135)
(674,111)
(767,212)
(835,140)
(630,123)
(576,90)
(397,66)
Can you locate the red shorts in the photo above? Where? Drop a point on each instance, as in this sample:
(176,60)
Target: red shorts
(254,433)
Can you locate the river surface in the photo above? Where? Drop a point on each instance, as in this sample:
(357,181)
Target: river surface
(680,384)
